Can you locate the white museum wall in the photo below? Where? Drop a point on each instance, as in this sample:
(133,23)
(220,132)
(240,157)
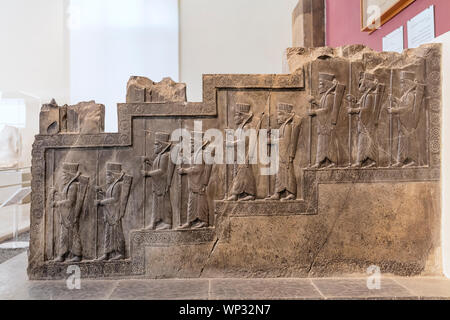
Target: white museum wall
(33,59)
(33,55)
(233,36)
(94,57)
(33,64)
(445,40)
(110,40)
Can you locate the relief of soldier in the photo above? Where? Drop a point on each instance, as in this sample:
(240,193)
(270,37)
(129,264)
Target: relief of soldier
(244,183)
(114,203)
(69,202)
(326,112)
(289,131)
(198,175)
(367,109)
(161,173)
(407,111)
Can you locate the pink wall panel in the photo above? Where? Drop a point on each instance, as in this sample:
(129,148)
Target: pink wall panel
(344,22)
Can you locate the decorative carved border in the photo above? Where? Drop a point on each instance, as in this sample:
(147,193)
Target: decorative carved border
(88,269)
(262,208)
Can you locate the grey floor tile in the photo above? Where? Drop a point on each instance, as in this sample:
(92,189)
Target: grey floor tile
(13,277)
(357,288)
(427,287)
(236,289)
(161,289)
(58,290)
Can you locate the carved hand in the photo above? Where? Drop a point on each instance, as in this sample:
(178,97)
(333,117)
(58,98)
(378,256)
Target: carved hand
(311,99)
(181,171)
(350,98)
(99,190)
(353,110)
(312,113)
(96,203)
(392,99)
(145,173)
(392,111)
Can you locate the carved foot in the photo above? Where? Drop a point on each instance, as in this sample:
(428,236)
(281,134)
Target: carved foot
(117,257)
(163,226)
(275,197)
(397,165)
(232,198)
(59,259)
(371,165)
(290,197)
(410,164)
(200,225)
(331,165)
(184,226)
(248,198)
(356,165)
(316,166)
(103,258)
(75,259)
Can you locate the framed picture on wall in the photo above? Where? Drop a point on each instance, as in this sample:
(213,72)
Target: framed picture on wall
(375,13)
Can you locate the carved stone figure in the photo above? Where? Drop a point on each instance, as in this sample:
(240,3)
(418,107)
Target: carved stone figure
(198,174)
(285,181)
(114,203)
(69,206)
(244,184)
(368,111)
(327,113)
(408,109)
(161,174)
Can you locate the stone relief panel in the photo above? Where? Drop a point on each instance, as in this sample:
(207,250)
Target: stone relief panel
(114,203)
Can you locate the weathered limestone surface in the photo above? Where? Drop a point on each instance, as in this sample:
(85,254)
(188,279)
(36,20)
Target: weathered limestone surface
(141,89)
(358,181)
(83,118)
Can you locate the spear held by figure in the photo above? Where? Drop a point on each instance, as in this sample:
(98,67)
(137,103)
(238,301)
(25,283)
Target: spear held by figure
(310,118)
(350,118)
(390,118)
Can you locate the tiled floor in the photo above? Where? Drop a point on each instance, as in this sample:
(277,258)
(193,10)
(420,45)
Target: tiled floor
(14,285)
